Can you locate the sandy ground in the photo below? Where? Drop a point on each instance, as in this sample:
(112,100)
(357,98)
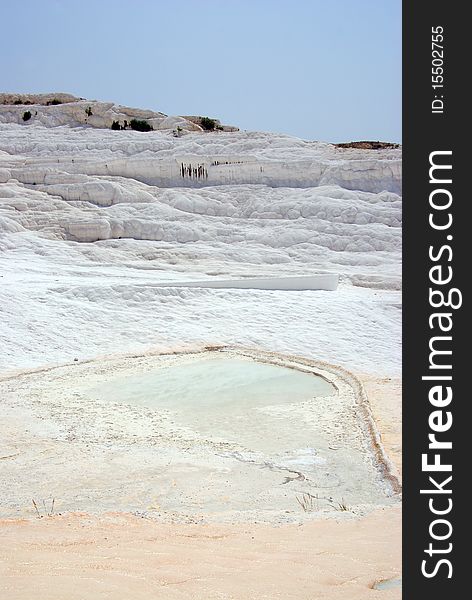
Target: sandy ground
(123,557)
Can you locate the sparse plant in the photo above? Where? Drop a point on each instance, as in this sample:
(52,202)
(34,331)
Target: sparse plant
(18,101)
(308,502)
(26,115)
(342,506)
(44,512)
(88,111)
(139,125)
(208,124)
(53,102)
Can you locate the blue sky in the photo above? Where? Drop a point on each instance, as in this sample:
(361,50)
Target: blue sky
(318,69)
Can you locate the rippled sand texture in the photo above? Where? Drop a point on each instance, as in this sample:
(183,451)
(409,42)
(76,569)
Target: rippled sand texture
(119,556)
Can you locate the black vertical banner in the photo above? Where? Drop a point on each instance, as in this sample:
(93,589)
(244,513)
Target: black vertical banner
(437,436)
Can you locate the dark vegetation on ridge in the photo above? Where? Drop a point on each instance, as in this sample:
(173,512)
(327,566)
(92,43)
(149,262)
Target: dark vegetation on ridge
(368,145)
(135,124)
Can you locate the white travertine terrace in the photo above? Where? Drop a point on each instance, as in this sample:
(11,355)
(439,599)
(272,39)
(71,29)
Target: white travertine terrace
(95,223)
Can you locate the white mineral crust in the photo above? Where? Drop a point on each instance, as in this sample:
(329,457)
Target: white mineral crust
(93,220)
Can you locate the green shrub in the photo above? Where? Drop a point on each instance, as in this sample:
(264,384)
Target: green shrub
(53,102)
(18,101)
(138,125)
(208,124)
(116,125)
(26,116)
(88,111)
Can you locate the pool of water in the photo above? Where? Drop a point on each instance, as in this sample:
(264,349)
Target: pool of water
(214,436)
(232,399)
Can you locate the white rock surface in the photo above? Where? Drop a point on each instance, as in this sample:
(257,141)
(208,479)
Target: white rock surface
(53,110)
(91,219)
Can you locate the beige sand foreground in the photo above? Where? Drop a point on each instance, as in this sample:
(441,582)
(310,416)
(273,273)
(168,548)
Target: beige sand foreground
(120,557)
